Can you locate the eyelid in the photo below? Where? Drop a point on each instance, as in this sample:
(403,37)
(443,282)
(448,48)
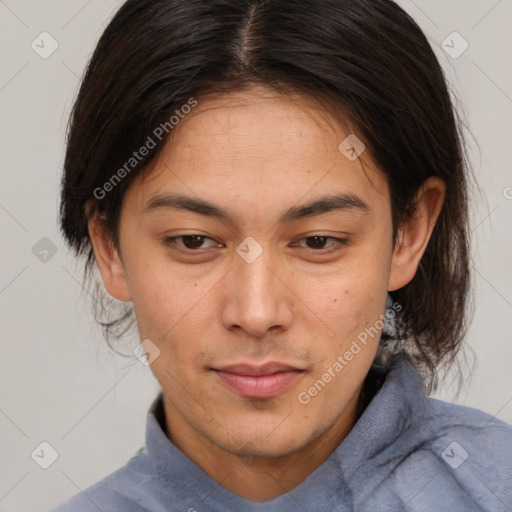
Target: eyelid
(171,242)
(339,242)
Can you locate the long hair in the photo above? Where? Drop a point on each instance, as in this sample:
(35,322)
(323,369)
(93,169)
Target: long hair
(365,61)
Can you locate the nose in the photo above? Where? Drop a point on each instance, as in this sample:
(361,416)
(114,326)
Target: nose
(257,299)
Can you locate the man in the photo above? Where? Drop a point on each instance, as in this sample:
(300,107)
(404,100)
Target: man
(279,191)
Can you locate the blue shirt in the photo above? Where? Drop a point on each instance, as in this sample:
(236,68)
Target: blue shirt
(406,452)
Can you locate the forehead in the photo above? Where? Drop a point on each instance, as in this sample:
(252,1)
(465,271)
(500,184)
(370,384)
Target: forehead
(258,123)
(255,146)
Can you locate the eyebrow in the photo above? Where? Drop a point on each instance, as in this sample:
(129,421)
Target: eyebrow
(325,204)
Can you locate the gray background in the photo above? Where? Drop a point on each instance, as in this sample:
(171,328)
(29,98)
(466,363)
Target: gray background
(60,384)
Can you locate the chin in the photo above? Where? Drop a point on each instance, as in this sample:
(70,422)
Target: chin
(264,442)
(265,450)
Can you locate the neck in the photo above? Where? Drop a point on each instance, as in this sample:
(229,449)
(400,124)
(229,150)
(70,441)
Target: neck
(260,478)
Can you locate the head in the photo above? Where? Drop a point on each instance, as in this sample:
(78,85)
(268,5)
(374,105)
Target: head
(254,188)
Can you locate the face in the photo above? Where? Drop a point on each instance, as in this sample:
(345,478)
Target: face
(256,255)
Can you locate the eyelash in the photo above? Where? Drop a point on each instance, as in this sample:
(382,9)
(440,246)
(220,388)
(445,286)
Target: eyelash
(171,242)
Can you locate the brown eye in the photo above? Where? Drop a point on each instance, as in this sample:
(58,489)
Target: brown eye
(190,243)
(317,242)
(320,243)
(193,241)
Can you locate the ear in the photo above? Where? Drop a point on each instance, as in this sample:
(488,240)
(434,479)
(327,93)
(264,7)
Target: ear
(109,262)
(414,234)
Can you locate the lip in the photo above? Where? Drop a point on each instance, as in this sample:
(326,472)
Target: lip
(265,381)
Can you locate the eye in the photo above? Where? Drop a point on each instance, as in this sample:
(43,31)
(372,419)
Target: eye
(318,243)
(196,243)
(188,242)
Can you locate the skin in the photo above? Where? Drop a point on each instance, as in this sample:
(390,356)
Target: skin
(302,301)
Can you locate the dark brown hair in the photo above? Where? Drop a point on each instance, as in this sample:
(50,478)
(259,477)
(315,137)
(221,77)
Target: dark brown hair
(366,59)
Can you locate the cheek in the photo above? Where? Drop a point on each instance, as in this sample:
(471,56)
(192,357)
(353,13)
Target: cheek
(175,308)
(152,278)
(161,296)
(352,293)
(351,305)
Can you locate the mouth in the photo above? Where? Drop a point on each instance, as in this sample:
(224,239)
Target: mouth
(265,381)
